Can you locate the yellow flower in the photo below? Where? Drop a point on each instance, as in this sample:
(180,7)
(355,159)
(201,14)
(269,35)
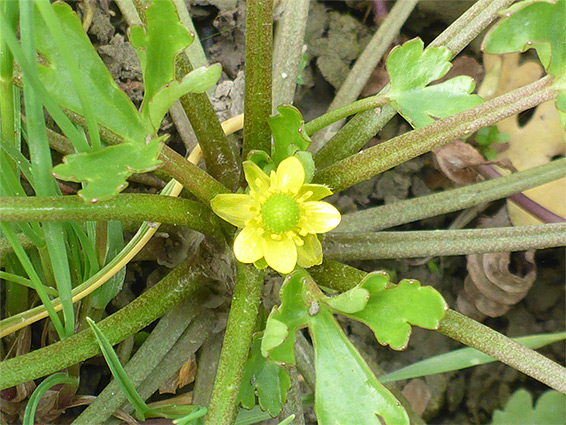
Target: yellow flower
(280,217)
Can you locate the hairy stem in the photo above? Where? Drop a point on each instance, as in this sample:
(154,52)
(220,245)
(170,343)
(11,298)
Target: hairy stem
(220,156)
(526,203)
(480,337)
(123,207)
(194,179)
(384,156)
(345,111)
(393,245)
(181,282)
(257,95)
(236,346)
(390,215)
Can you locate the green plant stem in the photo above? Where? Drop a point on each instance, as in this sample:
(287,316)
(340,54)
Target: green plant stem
(353,136)
(368,60)
(361,105)
(393,245)
(236,346)
(461,328)
(127,207)
(182,281)
(384,156)
(390,215)
(288,51)
(220,157)
(257,95)
(41,164)
(470,24)
(194,179)
(474,334)
(455,38)
(146,359)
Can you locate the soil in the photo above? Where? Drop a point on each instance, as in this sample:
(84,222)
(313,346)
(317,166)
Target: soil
(465,397)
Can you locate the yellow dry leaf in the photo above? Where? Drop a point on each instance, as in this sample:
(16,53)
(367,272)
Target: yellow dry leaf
(535,143)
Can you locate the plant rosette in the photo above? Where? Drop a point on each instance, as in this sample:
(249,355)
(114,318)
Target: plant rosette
(279,216)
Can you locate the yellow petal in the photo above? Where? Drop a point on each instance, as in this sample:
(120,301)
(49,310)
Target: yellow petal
(321,216)
(313,192)
(290,175)
(234,208)
(248,246)
(280,255)
(256,178)
(310,254)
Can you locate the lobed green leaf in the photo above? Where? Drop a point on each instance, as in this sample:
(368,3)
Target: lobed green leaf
(530,24)
(265,379)
(342,376)
(106,170)
(411,69)
(392,309)
(112,107)
(550,409)
(288,134)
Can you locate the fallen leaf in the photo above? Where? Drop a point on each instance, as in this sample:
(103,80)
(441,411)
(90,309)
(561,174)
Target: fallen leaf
(496,281)
(457,161)
(532,144)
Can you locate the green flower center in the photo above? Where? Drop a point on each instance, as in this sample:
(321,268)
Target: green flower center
(280,213)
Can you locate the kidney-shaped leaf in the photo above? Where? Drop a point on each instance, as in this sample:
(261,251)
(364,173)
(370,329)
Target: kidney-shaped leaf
(411,69)
(265,379)
(392,309)
(105,171)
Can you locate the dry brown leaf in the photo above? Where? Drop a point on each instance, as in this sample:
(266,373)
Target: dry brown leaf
(185,376)
(496,281)
(532,144)
(457,161)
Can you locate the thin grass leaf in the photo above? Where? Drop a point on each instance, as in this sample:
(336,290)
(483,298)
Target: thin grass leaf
(45,184)
(30,270)
(50,381)
(118,371)
(56,113)
(464,358)
(20,280)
